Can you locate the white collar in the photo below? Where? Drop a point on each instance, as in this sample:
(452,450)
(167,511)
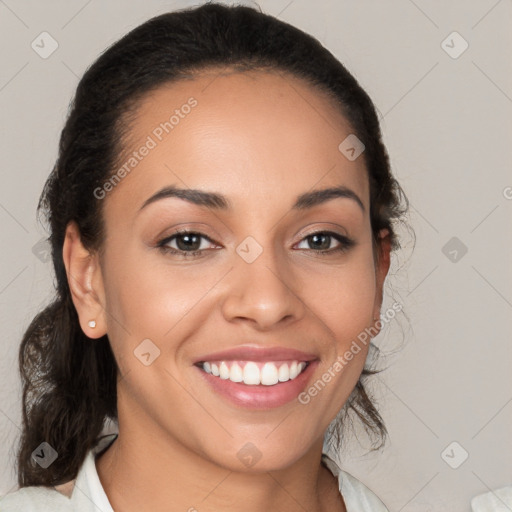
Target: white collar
(86,491)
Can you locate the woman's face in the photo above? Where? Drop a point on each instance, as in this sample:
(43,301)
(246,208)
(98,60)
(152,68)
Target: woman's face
(254,286)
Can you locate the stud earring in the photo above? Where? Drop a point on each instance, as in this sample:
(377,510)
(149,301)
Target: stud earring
(92,324)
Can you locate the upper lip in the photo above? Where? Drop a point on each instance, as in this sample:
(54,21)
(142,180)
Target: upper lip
(254,353)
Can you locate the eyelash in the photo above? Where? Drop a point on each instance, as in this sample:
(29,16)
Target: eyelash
(346,243)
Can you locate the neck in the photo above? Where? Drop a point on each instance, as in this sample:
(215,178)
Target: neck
(145,469)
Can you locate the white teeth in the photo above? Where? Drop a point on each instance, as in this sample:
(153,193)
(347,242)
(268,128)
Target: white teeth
(251,374)
(236,374)
(294,371)
(223,371)
(269,375)
(284,373)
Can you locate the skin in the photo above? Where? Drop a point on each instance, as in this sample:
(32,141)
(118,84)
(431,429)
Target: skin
(261,139)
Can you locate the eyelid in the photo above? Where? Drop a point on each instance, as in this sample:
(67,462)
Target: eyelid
(185,231)
(331,227)
(186,228)
(301,235)
(345,243)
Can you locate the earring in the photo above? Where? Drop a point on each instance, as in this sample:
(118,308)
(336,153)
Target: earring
(92,324)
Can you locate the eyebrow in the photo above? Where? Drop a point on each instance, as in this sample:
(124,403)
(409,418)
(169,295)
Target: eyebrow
(217,201)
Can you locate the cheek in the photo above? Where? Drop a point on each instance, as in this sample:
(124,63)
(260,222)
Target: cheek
(343,297)
(149,299)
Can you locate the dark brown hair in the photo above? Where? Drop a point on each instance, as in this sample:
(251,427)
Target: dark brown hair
(69,382)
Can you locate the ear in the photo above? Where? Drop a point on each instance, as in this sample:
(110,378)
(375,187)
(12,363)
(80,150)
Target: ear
(85,282)
(382,263)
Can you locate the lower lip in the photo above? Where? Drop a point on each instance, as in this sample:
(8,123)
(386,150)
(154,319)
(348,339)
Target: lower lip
(260,396)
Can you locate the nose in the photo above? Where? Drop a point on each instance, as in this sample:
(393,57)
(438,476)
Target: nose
(264,293)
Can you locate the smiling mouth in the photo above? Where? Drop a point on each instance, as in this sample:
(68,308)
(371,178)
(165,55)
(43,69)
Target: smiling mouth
(252,373)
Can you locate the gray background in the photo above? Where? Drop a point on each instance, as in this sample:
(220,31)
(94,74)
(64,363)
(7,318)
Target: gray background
(447,124)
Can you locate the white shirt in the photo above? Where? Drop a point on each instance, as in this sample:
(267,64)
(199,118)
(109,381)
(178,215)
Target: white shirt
(499,500)
(86,494)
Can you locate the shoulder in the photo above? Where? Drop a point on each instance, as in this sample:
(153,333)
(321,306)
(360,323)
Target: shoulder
(63,498)
(357,497)
(35,499)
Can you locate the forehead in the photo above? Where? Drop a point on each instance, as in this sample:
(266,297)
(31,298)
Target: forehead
(251,135)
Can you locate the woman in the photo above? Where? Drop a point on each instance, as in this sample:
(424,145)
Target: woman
(222,215)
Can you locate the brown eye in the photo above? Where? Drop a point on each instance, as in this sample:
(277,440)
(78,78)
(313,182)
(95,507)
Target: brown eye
(321,242)
(188,241)
(185,243)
